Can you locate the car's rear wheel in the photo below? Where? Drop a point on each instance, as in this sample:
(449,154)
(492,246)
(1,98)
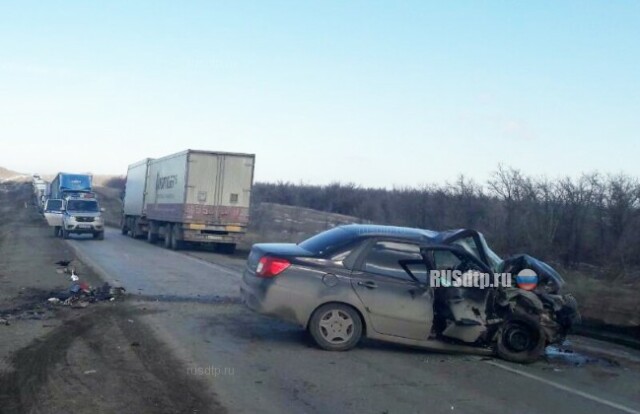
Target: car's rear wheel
(520,339)
(336,327)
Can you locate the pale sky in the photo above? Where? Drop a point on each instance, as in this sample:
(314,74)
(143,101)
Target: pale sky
(378,93)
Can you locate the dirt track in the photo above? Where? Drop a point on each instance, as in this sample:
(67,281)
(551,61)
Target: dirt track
(57,359)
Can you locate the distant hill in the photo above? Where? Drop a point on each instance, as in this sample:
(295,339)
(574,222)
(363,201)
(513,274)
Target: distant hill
(104,180)
(6,174)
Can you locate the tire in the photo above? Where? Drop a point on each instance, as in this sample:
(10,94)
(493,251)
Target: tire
(152,237)
(335,327)
(65,234)
(520,339)
(99,235)
(124,229)
(134,229)
(176,243)
(56,231)
(168,235)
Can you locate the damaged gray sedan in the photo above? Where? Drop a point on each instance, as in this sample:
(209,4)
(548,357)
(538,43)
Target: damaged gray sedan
(391,284)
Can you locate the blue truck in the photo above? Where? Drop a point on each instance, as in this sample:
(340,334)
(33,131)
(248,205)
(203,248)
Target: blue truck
(66,183)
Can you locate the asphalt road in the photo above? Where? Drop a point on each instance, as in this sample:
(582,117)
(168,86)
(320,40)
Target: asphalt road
(255,364)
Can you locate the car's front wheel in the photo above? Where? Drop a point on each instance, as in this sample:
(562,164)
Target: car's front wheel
(520,339)
(336,327)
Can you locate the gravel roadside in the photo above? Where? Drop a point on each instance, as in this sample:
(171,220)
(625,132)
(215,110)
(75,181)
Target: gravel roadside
(53,359)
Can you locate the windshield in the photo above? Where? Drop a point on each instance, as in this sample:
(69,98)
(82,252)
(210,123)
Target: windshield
(495,262)
(469,244)
(83,205)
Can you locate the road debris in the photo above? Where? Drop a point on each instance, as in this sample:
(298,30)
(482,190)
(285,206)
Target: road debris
(565,355)
(80,294)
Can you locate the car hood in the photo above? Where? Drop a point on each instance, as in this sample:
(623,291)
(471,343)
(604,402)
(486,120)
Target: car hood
(548,277)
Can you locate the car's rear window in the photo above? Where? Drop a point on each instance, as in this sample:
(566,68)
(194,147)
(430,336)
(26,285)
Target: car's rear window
(327,241)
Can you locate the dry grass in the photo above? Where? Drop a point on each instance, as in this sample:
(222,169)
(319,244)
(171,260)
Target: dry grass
(610,301)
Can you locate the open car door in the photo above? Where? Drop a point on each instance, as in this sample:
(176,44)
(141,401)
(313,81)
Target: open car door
(53,211)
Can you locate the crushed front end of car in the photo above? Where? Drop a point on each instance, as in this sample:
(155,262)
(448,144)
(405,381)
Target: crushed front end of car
(557,311)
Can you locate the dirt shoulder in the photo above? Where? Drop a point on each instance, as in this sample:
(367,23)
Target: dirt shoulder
(53,359)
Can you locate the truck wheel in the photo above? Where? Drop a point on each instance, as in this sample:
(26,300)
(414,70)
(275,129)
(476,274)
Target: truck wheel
(520,339)
(134,229)
(65,234)
(123,228)
(176,243)
(56,231)
(168,233)
(335,327)
(152,237)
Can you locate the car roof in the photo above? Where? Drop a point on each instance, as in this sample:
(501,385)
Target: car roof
(409,233)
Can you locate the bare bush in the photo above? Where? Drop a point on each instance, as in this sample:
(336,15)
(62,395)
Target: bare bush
(591,219)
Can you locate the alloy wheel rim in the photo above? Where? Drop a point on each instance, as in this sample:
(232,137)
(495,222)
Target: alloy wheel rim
(336,326)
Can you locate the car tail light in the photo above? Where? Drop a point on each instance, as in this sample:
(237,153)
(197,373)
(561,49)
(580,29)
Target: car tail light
(271,266)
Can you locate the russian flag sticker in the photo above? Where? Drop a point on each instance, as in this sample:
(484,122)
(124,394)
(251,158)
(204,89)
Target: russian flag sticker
(527,279)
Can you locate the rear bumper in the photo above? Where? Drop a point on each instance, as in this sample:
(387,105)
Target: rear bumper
(202,237)
(267,297)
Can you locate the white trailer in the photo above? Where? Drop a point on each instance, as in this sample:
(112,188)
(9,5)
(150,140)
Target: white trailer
(40,189)
(191,196)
